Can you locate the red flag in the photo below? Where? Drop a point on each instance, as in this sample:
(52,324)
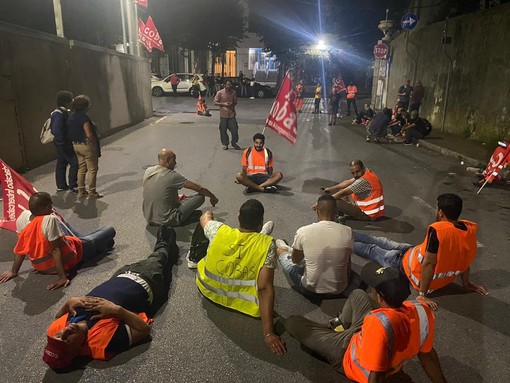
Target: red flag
(339,84)
(142,3)
(282,117)
(148,35)
(16,192)
(500,157)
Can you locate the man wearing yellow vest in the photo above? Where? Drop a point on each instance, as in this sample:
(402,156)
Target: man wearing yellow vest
(360,197)
(238,270)
(50,244)
(447,251)
(351,98)
(373,337)
(257,168)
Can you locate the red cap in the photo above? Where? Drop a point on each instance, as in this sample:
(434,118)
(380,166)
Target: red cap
(57,354)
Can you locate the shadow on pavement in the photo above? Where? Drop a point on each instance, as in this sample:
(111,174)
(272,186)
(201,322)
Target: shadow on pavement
(314,185)
(490,312)
(89,208)
(387,224)
(8,240)
(32,291)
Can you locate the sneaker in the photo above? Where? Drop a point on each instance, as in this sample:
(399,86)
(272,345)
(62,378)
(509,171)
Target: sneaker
(95,194)
(61,190)
(408,143)
(341,219)
(82,193)
(224,147)
(74,190)
(249,190)
(267,229)
(367,139)
(281,244)
(236,147)
(270,189)
(252,98)
(191,264)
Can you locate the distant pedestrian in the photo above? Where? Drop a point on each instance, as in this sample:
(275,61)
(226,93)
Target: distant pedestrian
(84,135)
(317,98)
(217,82)
(211,91)
(404,95)
(226,99)
(299,97)
(174,82)
(243,83)
(351,98)
(417,96)
(334,102)
(195,84)
(64,147)
(252,89)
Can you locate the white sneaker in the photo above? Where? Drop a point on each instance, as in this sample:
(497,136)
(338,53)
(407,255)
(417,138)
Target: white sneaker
(191,264)
(267,228)
(280,243)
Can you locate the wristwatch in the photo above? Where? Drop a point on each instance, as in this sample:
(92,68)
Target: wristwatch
(421,294)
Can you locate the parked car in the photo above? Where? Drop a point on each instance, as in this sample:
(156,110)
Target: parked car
(156,77)
(261,91)
(159,88)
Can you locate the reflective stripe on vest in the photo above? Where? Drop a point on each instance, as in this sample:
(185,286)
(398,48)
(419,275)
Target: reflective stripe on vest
(373,205)
(356,362)
(258,168)
(424,322)
(228,274)
(420,258)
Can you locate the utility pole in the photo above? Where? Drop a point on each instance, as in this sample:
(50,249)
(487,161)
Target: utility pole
(123,19)
(59,24)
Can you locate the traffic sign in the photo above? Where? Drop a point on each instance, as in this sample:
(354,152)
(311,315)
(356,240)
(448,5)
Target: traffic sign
(381,51)
(409,21)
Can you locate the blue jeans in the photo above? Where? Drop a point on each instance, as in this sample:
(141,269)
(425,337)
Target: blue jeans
(382,250)
(292,271)
(98,242)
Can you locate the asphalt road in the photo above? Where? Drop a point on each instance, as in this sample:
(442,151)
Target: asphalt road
(195,341)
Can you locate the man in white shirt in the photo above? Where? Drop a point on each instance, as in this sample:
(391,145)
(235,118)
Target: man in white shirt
(319,260)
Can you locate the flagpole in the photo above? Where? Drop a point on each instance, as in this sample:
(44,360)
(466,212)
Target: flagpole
(123,18)
(59,24)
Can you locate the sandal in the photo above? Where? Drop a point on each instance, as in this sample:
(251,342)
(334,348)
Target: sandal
(95,195)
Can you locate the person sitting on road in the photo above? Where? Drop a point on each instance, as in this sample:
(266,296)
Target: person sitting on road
(161,204)
(257,168)
(41,237)
(365,116)
(397,123)
(448,250)
(360,197)
(379,125)
(415,129)
(238,269)
(202,107)
(373,337)
(319,261)
(113,316)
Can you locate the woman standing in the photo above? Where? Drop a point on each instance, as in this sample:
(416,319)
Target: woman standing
(85,138)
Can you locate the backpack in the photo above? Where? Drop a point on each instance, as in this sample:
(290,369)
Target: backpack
(46,135)
(199,244)
(427,127)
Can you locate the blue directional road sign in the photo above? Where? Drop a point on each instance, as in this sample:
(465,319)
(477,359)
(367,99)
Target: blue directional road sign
(409,21)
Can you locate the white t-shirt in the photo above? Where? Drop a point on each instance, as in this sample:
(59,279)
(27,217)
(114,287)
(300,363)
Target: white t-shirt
(50,227)
(327,247)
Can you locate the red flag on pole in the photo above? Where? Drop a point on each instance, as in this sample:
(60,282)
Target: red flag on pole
(339,84)
(16,192)
(148,35)
(500,157)
(142,3)
(282,117)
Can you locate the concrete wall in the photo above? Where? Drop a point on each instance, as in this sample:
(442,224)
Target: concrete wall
(34,66)
(479,90)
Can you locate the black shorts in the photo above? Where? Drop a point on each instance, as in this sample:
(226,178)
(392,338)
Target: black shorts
(259,178)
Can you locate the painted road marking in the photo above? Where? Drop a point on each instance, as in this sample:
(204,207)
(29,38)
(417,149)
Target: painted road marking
(161,119)
(433,211)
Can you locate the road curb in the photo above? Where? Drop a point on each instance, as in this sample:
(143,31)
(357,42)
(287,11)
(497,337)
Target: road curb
(451,154)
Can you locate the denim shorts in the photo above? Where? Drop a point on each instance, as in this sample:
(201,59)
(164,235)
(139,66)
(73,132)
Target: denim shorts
(259,178)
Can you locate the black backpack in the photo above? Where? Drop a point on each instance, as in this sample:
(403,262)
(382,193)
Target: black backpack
(199,244)
(426,127)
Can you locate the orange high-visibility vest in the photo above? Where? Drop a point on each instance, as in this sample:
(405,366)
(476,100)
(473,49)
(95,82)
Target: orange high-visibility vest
(351,91)
(457,250)
(373,205)
(257,162)
(388,339)
(201,106)
(98,336)
(32,242)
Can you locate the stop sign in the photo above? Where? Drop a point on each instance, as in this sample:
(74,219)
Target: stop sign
(381,50)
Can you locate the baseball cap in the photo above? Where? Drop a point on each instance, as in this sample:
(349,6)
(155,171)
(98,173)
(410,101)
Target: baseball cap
(57,354)
(390,283)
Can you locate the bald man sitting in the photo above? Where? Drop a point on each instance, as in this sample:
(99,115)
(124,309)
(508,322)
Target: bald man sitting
(161,204)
